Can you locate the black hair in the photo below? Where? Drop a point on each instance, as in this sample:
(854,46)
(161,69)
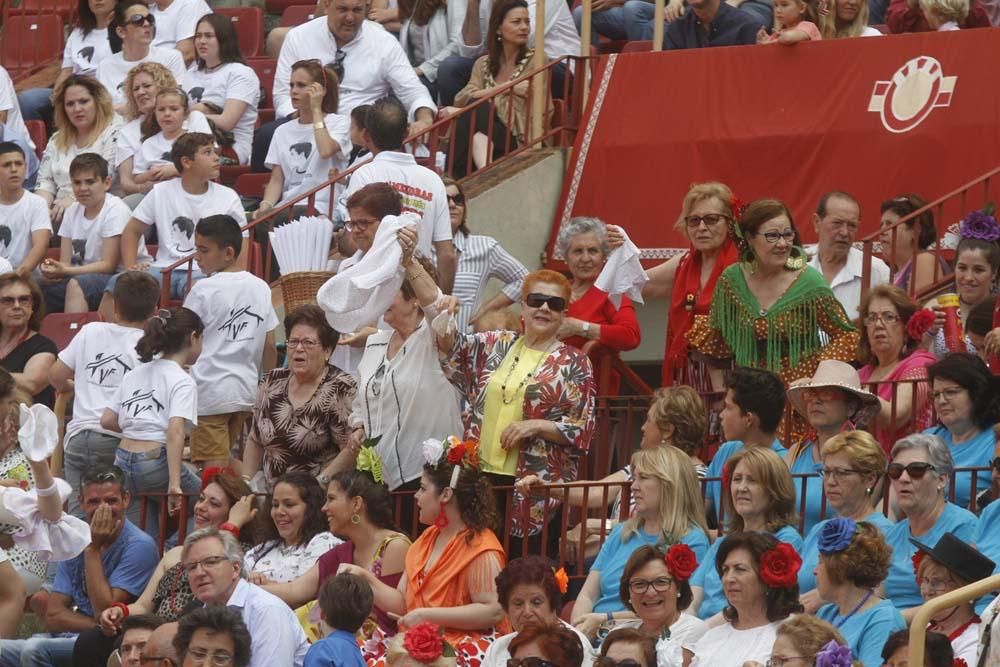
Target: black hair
(937,648)
(120,16)
(760,392)
(990,250)
(225,34)
(91,162)
(136,294)
(780,602)
(359,115)
(223,230)
(378,505)
(824,201)
(85,18)
(103,474)
(215,618)
(904,205)
(314,521)
(168,332)
(187,146)
(970,372)
(980,318)
(346,601)
(10,147)
(143,621)
(386,124)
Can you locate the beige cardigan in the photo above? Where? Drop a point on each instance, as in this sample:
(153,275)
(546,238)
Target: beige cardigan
(482,79)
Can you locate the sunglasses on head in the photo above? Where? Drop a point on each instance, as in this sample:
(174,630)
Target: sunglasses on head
(914,470)
(529,662)
(556,303)
(138,19)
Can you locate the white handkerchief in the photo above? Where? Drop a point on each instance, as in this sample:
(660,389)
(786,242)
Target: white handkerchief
(623,274)
(39,432)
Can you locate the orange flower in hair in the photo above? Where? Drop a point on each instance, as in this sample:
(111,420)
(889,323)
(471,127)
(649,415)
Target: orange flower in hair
(562,580)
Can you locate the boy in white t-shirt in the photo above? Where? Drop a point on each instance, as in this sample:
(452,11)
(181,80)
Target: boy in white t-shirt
(173,207)
(238,343)
(91,233)
(92,366)
(25,228)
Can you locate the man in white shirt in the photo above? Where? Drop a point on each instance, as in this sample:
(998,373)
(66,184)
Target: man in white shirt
(25,229)
(176,21)
(422,190)
(561,39)
(370,62)
(836,221)
(213,561)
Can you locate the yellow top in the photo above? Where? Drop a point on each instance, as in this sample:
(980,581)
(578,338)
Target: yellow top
(505,405)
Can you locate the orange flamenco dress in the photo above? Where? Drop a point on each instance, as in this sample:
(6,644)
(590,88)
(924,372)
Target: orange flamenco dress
(468,565)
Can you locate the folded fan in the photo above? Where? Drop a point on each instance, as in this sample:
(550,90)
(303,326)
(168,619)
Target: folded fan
(302,245)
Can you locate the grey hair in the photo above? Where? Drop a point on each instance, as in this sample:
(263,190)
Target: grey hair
(230,547)
(938,454)
(582,225)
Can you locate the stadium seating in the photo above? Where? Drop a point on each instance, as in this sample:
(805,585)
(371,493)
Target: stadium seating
(65,8)
(297,15)
(249,24)
(29,41)
(60,328)
(265,68)
(38,134)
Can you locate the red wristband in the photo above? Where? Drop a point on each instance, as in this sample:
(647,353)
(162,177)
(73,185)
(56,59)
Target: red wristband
(123,607)
(230,528)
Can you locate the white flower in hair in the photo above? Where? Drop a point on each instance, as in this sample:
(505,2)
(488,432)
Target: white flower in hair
(433,449)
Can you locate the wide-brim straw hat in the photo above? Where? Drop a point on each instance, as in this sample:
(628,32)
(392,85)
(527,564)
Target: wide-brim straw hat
(963,560)
(839,375)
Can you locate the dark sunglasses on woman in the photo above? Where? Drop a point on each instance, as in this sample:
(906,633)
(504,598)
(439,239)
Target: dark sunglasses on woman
(556,303)
(914,470)
(610,662)
(529,662)
(138,19)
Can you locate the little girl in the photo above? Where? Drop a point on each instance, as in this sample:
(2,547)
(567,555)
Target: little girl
(156,403)
(169,120)
(302,153)
(794,21)
(945,15)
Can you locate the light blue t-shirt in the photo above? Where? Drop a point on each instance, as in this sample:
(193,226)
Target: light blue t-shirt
(805,465)
(866,631)
(974,453)
(713,601)
(987,536)
(338,648)
(614,554)
(810,549)
(713,490)
(901,584)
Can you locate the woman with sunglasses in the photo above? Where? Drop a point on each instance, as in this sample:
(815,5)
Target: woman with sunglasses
(545,645)
(530,397)
(479,259)
(627,647)
(920,470)
(25,353)
(786,300)
(967,402)
(895,367)
(135,26)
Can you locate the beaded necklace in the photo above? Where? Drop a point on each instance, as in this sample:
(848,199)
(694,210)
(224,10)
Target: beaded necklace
(518,347)
(840,620)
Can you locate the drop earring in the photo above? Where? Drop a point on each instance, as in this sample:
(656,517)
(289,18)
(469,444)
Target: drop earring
(355,518)
(441,521)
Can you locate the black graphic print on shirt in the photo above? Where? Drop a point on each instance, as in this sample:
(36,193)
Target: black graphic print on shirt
(299,155)
(79,251)
(6,236)
(242,324)
(184,240)
(196,93)
(141,402)
(86,52)
(106,370)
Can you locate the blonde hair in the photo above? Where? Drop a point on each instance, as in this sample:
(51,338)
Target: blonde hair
(682,408)
(865,453)
(808,14)
(395,654)
(773,474)
(699,192)
(161,76)
(681,506)
(946,10)
(831,28)
(65,135)
(809,634)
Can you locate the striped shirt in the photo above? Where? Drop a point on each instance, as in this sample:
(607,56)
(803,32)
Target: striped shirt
(479,259)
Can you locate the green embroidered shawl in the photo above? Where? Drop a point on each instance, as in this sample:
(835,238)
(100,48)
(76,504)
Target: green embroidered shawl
(793,323)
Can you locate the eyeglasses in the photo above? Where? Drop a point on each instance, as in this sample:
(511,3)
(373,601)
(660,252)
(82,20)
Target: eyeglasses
(710,220)
(934,584)
(556,303)
(529,662)
(338,64)
(22,300)
(914,470)
(780,662)
(359,224)
(202,657)
(886,318)
(206,563)
(838,473)
(947,394)
(825,394)
(304,343)
(115,474)
(611,662)
(788,236)
(660,585)
(138,19)
(457,200)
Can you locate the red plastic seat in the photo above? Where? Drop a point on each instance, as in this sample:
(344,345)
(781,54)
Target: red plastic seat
(65,8)
(265,69)
(279,6)
(230,172)
(249,24)
(297,15)
(39,135)
(29,41)
(251,185)
(60,328)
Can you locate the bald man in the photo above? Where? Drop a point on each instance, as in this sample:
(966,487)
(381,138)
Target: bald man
(159,649)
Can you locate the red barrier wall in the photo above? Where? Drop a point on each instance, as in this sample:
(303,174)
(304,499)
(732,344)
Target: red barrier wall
(788,122)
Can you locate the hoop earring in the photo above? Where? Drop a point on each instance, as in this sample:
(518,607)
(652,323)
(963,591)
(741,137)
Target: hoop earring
(355,518)
(441,521)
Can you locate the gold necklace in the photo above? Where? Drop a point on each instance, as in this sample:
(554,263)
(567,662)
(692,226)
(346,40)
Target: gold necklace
(520,345)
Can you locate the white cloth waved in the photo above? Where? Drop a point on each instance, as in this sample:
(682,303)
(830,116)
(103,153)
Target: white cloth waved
(360,294)
(623,273)
(58,540)
(39,432)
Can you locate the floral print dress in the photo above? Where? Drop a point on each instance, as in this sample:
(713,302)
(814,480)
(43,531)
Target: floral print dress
(562,391)
(13,466)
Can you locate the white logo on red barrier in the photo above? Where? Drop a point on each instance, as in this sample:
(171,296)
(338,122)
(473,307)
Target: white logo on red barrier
(914,91)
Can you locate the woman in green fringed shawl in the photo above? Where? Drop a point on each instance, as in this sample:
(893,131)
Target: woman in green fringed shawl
(770,310)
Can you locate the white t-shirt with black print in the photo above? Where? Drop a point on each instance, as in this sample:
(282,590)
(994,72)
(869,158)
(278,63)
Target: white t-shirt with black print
(129,141)
(111,71)
(237,312)
(84,52)
(88,235)
(156,149)
(150,395)
(232,81)
(99,355)
(177,22)
(17,222)
(293,148)
(175,212)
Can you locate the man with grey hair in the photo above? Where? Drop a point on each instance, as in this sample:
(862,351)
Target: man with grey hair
(213,562)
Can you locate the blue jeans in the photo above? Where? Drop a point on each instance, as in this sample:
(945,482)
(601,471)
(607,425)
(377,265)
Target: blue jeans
(609,22)
(453,73)
(38,651)
(178,280)
(36,105)
(639,17)
(86,449)
(146,472)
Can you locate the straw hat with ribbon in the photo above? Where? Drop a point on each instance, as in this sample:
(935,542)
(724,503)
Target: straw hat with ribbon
(838,375)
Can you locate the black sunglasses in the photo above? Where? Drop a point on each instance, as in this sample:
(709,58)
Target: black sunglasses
(556,304)
(529,662)
(338,64)
(914,470)
(139,19)
(610,662)
(457,200)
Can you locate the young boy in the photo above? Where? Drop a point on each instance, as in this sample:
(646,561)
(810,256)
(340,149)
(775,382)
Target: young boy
(361,149)
(92,366)
(173,207)
(24,234)
(91,234)
(239,338)
(345,601)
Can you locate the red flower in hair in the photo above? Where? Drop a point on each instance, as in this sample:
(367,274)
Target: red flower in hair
(958,662)
(209,474)
(562,580)
(456,454)
(424,642)
(737,205)
(919,323)
(681,561)
(779,567)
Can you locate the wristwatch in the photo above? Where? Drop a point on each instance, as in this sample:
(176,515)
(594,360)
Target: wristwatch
(324,480)
(319,125)
(586,329)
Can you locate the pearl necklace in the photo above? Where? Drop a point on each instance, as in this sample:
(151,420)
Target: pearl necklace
(518,347)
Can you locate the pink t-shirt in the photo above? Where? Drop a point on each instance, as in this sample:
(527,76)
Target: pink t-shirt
(807,27)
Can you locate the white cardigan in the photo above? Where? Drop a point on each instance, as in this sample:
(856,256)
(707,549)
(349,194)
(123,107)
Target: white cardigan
(444,31)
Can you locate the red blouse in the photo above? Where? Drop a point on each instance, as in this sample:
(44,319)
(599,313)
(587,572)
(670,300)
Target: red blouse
(619,326)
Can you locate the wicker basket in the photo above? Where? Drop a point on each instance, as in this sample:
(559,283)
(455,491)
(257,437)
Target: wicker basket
(299,289)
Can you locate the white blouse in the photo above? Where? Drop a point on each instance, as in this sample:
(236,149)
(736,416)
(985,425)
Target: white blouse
(725,646)
(53,174)
(282,563)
